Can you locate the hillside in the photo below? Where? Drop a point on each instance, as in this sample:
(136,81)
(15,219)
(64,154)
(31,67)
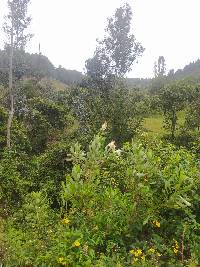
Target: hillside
(26,65)
(39,66)
(190,70)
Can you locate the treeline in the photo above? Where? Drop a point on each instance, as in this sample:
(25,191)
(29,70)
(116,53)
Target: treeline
(37,66)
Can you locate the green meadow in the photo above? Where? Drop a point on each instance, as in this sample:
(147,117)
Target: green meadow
(155,123)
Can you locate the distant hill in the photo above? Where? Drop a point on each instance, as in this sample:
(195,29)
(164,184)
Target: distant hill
(38,66)
(190,70)
(68,77)
(26,65)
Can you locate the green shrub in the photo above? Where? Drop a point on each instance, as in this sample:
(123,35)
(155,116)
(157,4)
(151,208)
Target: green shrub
(135,206)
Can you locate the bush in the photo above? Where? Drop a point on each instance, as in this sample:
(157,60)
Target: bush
(135,206)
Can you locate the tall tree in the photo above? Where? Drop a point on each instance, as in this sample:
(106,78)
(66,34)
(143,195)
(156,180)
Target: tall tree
(112,60)
(160,67)
(155,69)
(16,22)
(115,54)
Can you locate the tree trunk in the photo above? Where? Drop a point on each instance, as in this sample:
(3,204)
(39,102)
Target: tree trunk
(11,112)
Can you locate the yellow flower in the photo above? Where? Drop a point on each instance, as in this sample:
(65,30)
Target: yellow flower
(139,252)
(151,250)
(60,260)
(76,244)
(136,253)
(175,247)
(143,257)
(175,250)
(158,254)
(157,223)
(65,221)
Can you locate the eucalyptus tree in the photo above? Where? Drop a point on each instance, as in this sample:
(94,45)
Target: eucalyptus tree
(15,26)
(115,54)
(160,67)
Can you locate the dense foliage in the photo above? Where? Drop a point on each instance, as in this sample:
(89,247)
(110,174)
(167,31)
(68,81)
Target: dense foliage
(84,182)
(137,205)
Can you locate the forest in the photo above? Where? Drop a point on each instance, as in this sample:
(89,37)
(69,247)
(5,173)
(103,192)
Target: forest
(97,169)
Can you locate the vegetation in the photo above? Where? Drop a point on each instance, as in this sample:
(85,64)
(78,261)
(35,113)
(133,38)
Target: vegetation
(98,172)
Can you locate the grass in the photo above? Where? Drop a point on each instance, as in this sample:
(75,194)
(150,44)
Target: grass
(154,124)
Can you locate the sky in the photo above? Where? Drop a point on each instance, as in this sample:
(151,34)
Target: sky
(67,31)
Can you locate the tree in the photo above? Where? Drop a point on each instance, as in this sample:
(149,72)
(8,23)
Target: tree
(160,67)
(192,118)
(15,24)
(173,98)
(155,69)
(113,58)
(171,74)
(68,77)
(160,79)
(123,111)
(115,54)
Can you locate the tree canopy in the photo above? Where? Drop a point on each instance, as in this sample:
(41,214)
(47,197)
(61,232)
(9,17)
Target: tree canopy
(115,54)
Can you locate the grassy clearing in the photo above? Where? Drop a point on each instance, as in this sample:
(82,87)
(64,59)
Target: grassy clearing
(154,124)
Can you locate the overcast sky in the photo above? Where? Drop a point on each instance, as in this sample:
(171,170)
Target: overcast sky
(67,30)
